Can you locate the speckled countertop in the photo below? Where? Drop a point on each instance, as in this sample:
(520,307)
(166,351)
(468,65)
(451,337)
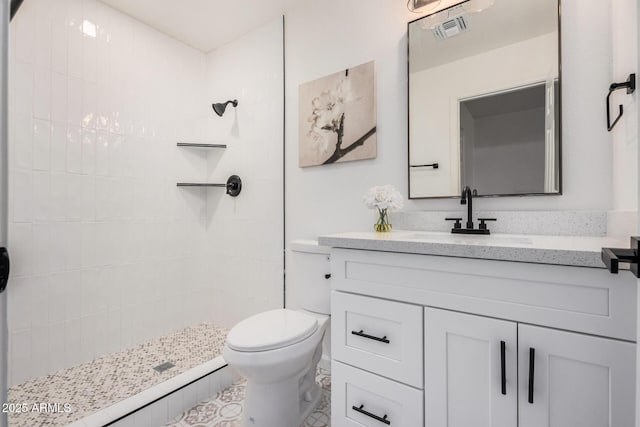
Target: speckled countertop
(562,250)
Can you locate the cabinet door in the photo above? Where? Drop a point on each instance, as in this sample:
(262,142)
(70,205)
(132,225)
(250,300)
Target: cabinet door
(576,380)
(464,370)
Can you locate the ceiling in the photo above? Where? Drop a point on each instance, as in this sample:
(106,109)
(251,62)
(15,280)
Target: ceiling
(203,24)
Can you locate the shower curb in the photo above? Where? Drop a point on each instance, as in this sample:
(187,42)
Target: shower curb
(165,401)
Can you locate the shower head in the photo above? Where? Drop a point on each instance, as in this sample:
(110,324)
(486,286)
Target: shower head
(219,108)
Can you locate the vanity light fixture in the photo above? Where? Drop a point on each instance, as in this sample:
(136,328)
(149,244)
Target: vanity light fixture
(419,6)
(221,107)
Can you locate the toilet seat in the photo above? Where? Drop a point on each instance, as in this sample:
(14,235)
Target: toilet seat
(271,330)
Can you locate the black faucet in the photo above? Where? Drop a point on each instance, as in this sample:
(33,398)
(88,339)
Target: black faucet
(467,199)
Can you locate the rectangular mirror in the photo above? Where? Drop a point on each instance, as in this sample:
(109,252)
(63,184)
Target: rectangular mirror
(484,99)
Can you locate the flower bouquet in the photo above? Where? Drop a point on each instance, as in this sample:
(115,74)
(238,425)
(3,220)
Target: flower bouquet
(384,199)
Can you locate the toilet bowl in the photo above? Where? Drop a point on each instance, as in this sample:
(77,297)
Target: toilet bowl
(278,351)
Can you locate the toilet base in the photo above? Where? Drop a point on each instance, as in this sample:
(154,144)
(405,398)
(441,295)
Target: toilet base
(281,405)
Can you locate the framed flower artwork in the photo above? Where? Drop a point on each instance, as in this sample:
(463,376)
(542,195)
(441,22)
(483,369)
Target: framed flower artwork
(337,117)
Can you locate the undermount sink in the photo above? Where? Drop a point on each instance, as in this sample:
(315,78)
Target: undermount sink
(469,238)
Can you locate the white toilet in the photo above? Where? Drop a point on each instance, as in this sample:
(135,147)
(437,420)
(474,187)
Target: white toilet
(278,351)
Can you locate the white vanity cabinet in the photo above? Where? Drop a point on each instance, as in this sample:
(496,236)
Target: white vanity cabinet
(575,379)
(477,322)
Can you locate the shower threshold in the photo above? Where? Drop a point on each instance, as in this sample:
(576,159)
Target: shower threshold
(113,386)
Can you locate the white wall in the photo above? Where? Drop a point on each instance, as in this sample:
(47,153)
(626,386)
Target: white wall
(324,37)
(106,251)
(625,134)
(245,234)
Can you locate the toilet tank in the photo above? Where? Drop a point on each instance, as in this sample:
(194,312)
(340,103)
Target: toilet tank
(308,272)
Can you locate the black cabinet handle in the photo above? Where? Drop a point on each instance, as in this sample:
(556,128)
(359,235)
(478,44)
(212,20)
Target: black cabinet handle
(327,276)
(369,414)
(361,333)
(532,363)
(503,370)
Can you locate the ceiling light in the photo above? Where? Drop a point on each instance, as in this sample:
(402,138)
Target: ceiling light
(419,6)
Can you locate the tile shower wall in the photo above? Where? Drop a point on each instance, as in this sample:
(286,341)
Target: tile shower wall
(106,251)
(245,234)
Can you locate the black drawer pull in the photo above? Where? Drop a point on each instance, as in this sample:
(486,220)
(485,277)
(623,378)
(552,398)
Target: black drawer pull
(503,367)
(532,363)
(360,333)
(369,414)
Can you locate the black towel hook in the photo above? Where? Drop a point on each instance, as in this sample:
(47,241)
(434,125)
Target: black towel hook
(630,85)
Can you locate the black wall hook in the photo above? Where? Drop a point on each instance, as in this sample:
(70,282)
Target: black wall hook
(630,85)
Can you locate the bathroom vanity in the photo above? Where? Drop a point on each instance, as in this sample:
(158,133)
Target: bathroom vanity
(502,330)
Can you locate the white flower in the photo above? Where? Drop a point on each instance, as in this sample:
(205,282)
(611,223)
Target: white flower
(383,197)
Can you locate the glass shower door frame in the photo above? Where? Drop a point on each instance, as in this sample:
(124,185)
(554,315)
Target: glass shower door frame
(4,198)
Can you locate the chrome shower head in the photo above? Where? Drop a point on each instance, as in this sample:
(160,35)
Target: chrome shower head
(219,108)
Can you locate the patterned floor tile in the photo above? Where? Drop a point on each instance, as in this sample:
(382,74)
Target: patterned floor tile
(225,408)
(109,379)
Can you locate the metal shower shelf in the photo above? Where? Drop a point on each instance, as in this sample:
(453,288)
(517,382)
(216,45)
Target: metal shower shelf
(200,145)
(233,185)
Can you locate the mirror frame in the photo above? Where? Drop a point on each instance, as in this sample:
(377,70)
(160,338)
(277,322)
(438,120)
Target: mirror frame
(560,136)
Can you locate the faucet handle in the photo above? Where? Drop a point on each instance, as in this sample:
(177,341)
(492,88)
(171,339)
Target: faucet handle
(482,225)
(458,224)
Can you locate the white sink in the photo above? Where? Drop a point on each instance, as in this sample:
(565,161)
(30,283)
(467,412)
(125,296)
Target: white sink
(478,239)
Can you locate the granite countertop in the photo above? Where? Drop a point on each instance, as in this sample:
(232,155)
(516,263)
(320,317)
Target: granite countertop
(561,250)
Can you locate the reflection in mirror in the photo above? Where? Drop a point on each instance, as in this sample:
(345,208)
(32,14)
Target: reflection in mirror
(510,134)
(484,99)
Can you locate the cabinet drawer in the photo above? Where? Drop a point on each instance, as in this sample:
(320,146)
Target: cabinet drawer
(359,398)
(380,336)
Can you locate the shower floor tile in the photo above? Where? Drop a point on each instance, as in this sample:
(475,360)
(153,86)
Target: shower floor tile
(225,408)
(95,385)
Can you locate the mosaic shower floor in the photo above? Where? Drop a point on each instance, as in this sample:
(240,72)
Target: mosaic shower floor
(225,408)
(107,380)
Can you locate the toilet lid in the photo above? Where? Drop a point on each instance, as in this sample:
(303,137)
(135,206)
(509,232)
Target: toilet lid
(271,330)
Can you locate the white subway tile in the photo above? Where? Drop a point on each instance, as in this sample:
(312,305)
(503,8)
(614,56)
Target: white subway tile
(58,97)
(58,147)
(40,351)
(88,337)
(19,296)
(42,247)
(72,342)
(74,38)
(88,151)
(21,141)
(22,85)
(58,197)
(42,93)
(59,37)
(41,145)
(21,367)
(56,347)
(74,149)
(74,197)
(89,101)
(41,196)
(73,295)
(102,154)
(23,196)
(74,101)
(42,35)
(58,302)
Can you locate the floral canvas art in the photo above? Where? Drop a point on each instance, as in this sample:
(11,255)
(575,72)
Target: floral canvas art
(337,117)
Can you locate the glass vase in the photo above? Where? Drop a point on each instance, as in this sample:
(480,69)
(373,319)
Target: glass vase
(383,224)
